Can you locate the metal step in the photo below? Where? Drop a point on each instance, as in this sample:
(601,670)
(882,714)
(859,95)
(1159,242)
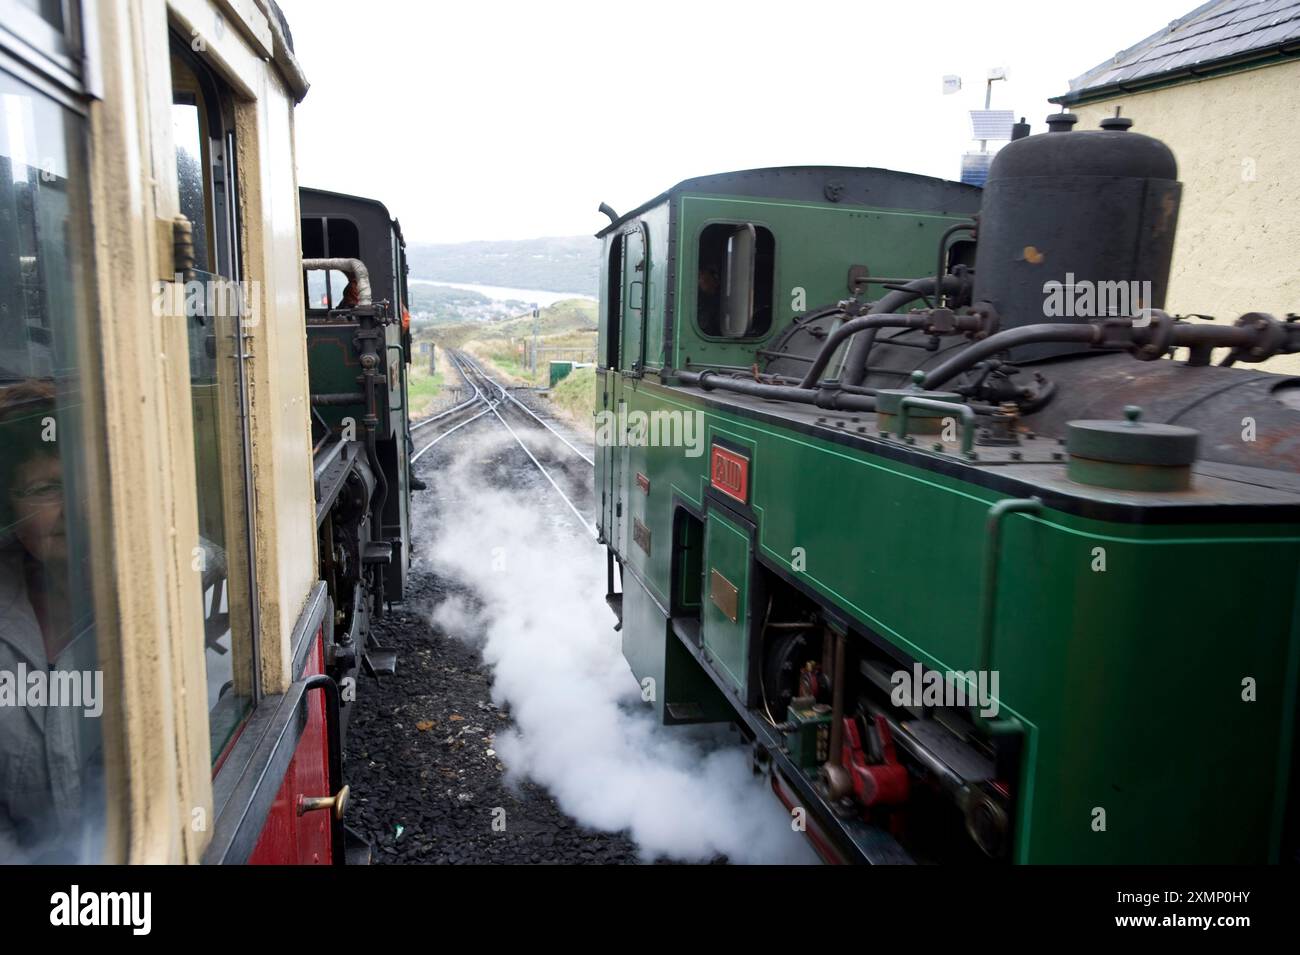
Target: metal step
(685,712)
(615,602)
(380,662)
(356,848)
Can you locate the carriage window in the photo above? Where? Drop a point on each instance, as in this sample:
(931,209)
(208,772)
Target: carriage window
(735,284)
(221,557)
(57,680)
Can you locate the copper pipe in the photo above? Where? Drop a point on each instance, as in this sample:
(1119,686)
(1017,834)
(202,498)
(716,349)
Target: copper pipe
(835,778)
(837,702)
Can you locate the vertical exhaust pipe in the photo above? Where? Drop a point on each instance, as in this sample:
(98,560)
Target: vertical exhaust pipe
(834,777)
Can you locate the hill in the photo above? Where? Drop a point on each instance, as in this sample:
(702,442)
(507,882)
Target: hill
(566,320)
(557,264)
(439,304)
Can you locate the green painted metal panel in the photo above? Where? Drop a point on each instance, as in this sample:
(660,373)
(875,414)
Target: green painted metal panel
(725,630)
(815,246)
(559,370)
(667,674)
(1128,681)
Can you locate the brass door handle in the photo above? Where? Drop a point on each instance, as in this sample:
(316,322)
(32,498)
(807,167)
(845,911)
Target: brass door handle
(337,803)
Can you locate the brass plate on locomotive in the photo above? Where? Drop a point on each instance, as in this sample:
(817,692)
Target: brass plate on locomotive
(724,594)
(641,534)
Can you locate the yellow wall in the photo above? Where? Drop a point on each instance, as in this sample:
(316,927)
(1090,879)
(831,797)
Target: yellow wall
(1237,142)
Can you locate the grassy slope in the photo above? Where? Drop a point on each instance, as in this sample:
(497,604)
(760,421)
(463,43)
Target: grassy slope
(503,345)
(423,388)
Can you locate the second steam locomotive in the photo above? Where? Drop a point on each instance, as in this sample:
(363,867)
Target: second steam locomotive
(991,557)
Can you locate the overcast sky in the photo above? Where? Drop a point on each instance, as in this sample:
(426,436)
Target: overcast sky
(496,119)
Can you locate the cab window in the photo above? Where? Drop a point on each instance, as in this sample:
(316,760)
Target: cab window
(735,281)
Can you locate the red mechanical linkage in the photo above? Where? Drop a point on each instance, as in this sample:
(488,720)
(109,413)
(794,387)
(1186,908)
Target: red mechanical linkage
(876,784)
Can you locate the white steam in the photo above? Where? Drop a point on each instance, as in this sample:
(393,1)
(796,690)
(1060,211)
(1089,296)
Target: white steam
(580,727)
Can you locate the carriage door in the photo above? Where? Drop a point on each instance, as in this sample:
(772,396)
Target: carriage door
(636,268)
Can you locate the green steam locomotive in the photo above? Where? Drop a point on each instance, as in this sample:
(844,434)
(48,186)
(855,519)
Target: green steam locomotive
(990,557)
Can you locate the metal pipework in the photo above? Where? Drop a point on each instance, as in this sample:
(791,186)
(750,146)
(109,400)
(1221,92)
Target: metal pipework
(852,327)
(940,269)
(339,398)
(855,362)
(839,398)
(829,398)
(354,269)
(836,778)
(1255,335)
(1002,341)
(938,321)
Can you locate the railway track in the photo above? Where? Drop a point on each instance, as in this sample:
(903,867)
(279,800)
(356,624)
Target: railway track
(423,792)
(564,466)
(429,431)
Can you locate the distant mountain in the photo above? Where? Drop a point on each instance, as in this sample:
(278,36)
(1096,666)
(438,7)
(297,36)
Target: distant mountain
(563,264)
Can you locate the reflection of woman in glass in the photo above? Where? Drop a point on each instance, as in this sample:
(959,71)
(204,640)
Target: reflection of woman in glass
(41,751)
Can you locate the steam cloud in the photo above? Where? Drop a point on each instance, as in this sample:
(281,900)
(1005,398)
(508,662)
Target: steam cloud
(580,727)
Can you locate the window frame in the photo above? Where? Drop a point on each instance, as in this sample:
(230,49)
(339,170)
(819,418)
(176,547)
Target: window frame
(327,253)
(776,259)
(62,58)
(225,230)
(613,300)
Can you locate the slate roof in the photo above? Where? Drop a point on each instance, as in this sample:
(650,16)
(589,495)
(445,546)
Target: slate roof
(1215,34)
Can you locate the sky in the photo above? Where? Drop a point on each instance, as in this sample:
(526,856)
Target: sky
(496,119)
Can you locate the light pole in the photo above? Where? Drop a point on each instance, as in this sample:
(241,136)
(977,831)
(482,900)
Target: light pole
(995,74)
(534,342)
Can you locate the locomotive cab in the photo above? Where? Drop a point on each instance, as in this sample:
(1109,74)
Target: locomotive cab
(352,346)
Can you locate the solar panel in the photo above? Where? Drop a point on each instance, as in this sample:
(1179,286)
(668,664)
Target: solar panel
(975,168)
(992,123)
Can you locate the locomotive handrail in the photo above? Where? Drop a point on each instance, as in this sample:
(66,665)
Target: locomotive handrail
(992,552)
(964,411)
(325,683)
